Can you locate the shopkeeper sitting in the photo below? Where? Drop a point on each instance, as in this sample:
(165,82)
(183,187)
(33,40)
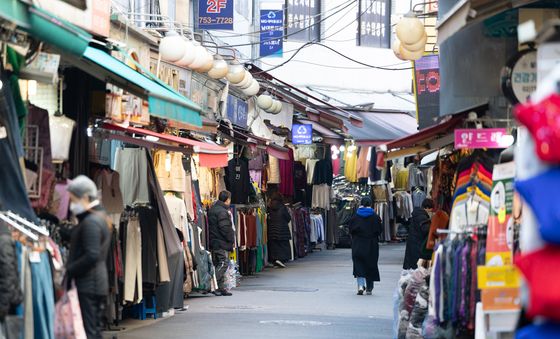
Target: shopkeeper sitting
(89,245)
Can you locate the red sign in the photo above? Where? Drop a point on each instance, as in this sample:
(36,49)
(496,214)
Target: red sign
(481,138)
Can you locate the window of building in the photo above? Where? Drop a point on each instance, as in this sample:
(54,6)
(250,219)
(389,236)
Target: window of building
(374,23)
(303,20)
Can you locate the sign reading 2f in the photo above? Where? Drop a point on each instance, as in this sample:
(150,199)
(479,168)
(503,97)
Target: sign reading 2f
(215,14)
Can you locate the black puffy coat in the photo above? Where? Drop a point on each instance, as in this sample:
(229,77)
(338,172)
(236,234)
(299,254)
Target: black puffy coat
(278,220)
(10,290)
(220,228)
(89,246)
(417,237)
(365,228)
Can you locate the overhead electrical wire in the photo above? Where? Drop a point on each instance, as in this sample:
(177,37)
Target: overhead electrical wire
(232,35)
(291,34)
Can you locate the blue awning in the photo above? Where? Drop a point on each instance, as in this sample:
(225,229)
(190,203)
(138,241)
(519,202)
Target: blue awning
(164,102)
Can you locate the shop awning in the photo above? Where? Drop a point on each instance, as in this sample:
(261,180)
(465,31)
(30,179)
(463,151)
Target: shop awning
(14,11)
(279,152)
(163,102)
(381,127)
(197,146)
(466,12)
(427,135)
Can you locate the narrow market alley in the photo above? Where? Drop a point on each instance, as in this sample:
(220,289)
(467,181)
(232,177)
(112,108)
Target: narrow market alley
(313,298)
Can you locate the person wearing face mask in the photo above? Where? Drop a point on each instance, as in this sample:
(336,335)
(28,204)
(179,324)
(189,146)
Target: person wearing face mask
(418,234)
(89,246)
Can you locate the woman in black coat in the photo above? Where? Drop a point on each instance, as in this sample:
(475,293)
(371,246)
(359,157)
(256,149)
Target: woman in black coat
(279,234)
(418,234)
(365,228)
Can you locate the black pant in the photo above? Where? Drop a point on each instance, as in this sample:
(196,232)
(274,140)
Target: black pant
(220,260)
(92,307)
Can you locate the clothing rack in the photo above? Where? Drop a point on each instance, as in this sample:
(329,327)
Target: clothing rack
(15,225)
(38,229)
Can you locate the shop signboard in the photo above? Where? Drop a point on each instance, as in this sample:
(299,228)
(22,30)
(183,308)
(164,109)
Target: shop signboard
(302,134)
(237,111)
(374,24)
(499,244)
(303,20)
(426,89)
(215,14)
(272,32)
(481,138)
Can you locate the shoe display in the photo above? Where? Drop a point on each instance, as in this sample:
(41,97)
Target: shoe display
(280,264)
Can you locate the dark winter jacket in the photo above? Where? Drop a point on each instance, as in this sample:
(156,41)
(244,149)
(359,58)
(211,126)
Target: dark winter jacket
(417,237)
(278,220)
(89,246)
(10,290)
(221,232)
(365,228)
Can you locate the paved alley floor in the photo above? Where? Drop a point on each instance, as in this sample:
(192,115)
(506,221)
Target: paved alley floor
(315,297)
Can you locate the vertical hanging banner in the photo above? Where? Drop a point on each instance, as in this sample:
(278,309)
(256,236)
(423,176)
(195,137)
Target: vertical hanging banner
(272,32)
(426,89)
(215,14)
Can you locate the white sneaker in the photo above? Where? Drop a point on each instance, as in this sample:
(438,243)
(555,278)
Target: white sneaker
(279,263)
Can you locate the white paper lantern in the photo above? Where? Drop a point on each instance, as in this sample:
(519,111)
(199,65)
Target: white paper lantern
(409,55)
(277,108)
(410,29)
(207,65)
(265,101)
(172,47)
(247,78)
(418,46)
(219,69)
(273,107)
(236,73)
(201,57)
(188,55)
(397,49)
(253,89)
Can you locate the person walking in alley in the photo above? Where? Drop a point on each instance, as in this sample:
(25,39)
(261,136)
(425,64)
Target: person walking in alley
(365,228)
(278,231)
(418,234)
(89,246)
(222,237)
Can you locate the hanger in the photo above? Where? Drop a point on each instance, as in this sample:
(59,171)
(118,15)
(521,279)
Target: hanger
(18,227)
(38,229)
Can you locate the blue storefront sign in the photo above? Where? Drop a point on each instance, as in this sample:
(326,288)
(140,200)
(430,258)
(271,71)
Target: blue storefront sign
(215,14)
(237,111)
(272,32)
(302,134)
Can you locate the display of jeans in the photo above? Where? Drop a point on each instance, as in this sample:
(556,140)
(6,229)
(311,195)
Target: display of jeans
(43,296)
(134,185)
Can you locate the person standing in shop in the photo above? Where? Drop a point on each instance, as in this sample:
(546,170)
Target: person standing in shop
(418,234)
(278,234)
(89,246)
(365,228)
(222,237)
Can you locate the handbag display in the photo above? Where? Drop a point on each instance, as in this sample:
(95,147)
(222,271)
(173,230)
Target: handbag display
(68,322)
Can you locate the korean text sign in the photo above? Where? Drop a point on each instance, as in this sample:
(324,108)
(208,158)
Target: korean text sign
(302,134)
(272,32)
(480,138)
(215,14)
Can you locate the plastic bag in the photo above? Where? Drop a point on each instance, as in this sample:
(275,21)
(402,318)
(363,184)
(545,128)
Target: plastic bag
(419,313)
(415,282)
(231,277)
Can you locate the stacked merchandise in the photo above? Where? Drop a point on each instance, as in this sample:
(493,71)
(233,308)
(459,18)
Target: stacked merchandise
(537,177)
